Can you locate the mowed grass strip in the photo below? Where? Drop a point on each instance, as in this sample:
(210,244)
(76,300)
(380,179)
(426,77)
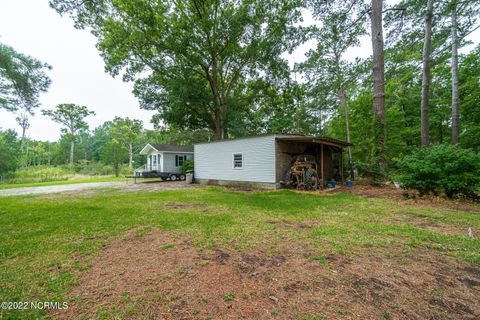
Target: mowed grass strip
(60,182)
(45,241)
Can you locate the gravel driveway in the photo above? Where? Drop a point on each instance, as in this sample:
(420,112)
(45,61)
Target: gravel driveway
(88,186)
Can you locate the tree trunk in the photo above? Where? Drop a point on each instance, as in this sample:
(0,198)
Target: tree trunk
(130,155)
(23,132)
(427,42)
(378,83)
(22,144)
(343,103)
(72,149)
(455,98)
(218,126)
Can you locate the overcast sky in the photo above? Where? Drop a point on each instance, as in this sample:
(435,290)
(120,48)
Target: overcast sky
(32,27)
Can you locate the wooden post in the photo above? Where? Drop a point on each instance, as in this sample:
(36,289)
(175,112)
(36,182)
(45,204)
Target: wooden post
(341,165)
(321,166)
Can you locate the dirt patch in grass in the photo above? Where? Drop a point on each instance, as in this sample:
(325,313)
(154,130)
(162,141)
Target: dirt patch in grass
(442,228)
(160,276)
(426,223)
(392,193)
(185,206)
(292,224)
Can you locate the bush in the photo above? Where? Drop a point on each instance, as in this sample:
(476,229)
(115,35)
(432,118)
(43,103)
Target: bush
(441,168)
(100,169)
(96,169)
(187,166)
(9,151)
(371,170)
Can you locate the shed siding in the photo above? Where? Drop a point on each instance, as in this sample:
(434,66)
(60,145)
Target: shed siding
(214,161)
(169,161)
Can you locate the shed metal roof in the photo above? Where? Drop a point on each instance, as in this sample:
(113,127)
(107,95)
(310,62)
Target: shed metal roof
(313,139)
(295,138)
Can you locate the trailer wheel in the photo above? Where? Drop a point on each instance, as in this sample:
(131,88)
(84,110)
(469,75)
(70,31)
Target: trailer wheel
(173,177)
(182,177)
(311,179)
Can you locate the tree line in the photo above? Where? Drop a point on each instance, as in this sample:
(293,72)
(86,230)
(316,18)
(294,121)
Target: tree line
(220,67)
(116,144)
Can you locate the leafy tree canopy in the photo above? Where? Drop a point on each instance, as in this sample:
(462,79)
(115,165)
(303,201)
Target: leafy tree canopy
(201,64)
(71,116)
(22,79)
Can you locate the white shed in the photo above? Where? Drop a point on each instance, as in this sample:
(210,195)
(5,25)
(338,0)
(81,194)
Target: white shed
(264,160)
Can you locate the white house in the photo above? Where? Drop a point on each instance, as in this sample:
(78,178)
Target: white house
(164,158)
(265,160)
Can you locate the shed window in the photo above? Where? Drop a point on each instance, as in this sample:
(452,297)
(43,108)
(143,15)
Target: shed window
(179,160)
(237,160)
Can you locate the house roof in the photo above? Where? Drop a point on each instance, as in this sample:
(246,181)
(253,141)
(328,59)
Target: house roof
(172,147)
(166,148)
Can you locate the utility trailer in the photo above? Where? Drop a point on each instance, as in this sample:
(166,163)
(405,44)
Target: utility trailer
(164,176)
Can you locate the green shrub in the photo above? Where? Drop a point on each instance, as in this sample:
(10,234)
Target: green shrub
(100,169)
(441,168)
(371,170)
(9,152)
(96,169)
(187,166)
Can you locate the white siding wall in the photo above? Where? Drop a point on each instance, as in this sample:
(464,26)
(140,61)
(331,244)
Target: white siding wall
(215,160)
(169,161)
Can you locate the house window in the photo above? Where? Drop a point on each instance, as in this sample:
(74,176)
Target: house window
(237,160)
(179,160)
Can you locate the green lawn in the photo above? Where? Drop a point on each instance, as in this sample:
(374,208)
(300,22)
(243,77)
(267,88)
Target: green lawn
(46,240)
(53,183)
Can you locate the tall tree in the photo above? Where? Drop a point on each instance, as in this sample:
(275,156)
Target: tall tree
(454,66)
(427,43)
(24,123)
(469,77)
(22,79)
(463,16)
(126,131)
(376,22)
(71,116)
(342,25)
(114,153)
(224,52)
